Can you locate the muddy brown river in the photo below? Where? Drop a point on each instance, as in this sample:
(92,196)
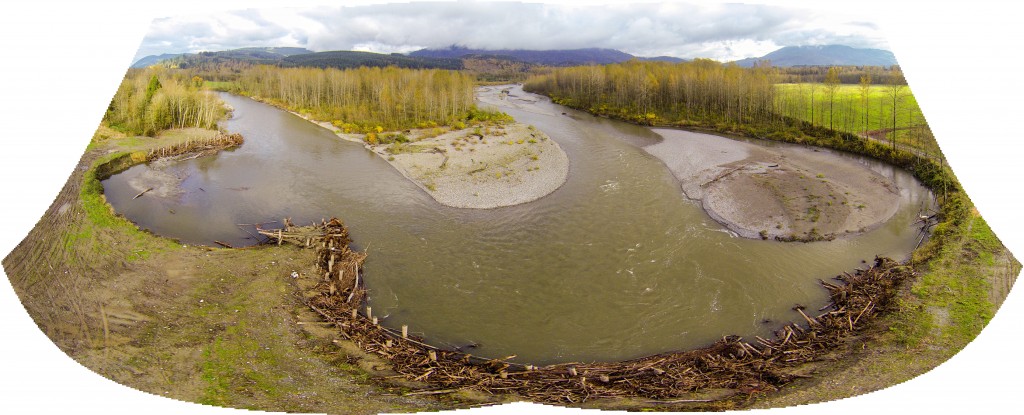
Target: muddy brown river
(615,264)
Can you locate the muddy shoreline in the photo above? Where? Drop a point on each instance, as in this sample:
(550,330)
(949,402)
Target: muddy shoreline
(780,192)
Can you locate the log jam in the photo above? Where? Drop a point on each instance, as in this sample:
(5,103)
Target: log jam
(731,363)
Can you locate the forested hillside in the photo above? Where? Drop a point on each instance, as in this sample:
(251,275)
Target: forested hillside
(342,59)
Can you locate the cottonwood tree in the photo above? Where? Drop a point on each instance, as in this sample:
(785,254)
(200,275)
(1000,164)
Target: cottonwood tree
(831,86)
(865,94)
(895,90)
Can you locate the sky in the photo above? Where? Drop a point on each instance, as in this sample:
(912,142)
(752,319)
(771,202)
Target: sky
(75,53)
(723,32)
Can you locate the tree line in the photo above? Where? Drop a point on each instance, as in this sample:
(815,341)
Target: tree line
(364,99)
(710,94)
(850,75)
(154,99)
(702,91)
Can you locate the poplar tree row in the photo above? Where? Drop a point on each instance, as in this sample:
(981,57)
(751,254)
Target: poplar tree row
(701,91)
(153,99)
(365,98)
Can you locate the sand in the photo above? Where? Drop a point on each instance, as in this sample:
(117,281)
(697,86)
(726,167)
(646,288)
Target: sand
(481,168)
(780,192)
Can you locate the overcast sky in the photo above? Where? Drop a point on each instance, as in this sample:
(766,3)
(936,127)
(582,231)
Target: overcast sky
(723,31)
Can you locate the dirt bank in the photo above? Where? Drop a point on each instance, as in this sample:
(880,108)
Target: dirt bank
(777,192)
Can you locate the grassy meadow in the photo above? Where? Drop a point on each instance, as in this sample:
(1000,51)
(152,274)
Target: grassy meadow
(852,112)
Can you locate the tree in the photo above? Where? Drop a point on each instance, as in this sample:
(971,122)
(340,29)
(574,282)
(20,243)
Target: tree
(895,91)
(865,93)
(831,85)
(152,87)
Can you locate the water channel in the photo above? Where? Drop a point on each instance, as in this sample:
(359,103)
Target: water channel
(615,264)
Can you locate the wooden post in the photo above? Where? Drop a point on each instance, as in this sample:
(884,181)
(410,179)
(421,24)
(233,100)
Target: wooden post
(280,237)
(375,320)
(433,355)
(369,312)
(405,332)
(572,371)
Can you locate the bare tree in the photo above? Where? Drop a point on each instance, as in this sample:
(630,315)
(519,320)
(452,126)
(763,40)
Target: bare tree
(865,94)
(831,86)
(895,90)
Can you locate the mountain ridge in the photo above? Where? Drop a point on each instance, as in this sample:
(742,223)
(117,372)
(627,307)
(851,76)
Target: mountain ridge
(823,55)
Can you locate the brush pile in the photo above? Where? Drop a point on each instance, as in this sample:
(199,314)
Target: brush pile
(730,363)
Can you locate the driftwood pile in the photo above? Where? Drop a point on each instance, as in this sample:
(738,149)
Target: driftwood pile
(197,146)
(730,363)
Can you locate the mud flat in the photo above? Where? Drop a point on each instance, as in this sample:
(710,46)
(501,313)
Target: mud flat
(781,192)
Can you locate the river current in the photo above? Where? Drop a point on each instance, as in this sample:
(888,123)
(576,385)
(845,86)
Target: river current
(615,264)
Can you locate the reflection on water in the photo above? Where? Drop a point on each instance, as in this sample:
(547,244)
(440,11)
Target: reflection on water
(615,264)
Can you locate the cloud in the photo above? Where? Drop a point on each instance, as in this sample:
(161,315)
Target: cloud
(724,32)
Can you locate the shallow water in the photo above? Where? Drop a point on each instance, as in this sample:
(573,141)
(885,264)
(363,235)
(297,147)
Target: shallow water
(615,264)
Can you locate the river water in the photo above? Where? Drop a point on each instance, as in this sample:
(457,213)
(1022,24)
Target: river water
(615,264)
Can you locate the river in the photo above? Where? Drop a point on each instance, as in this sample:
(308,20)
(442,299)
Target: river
(615,264)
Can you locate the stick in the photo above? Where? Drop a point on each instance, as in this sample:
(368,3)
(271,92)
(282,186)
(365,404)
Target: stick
(224,244)
(140,194)
(433,392)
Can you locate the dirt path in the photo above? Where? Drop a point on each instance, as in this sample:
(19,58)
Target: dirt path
(216,326)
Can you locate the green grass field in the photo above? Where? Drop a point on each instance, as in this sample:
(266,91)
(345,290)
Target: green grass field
(849,112)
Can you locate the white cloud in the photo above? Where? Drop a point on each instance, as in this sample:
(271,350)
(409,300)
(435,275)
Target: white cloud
(722,31)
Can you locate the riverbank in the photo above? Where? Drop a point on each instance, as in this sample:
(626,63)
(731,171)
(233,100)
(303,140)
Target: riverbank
(481,167)
(215,326)
(786,193)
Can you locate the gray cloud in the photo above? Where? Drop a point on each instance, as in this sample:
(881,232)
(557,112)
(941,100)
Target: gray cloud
(726,31)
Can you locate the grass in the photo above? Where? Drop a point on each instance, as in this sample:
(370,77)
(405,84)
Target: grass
(957,282)
(849,112)
(100,216)
(216,326)
(943,310)
(219,85)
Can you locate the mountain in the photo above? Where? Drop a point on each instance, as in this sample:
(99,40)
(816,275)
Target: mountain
(266,55)
(352,59)
(670,59)
(562,57)
(154,59)
(826,55)
(260,53)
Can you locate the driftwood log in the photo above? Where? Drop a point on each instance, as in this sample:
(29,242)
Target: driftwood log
(731,363)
